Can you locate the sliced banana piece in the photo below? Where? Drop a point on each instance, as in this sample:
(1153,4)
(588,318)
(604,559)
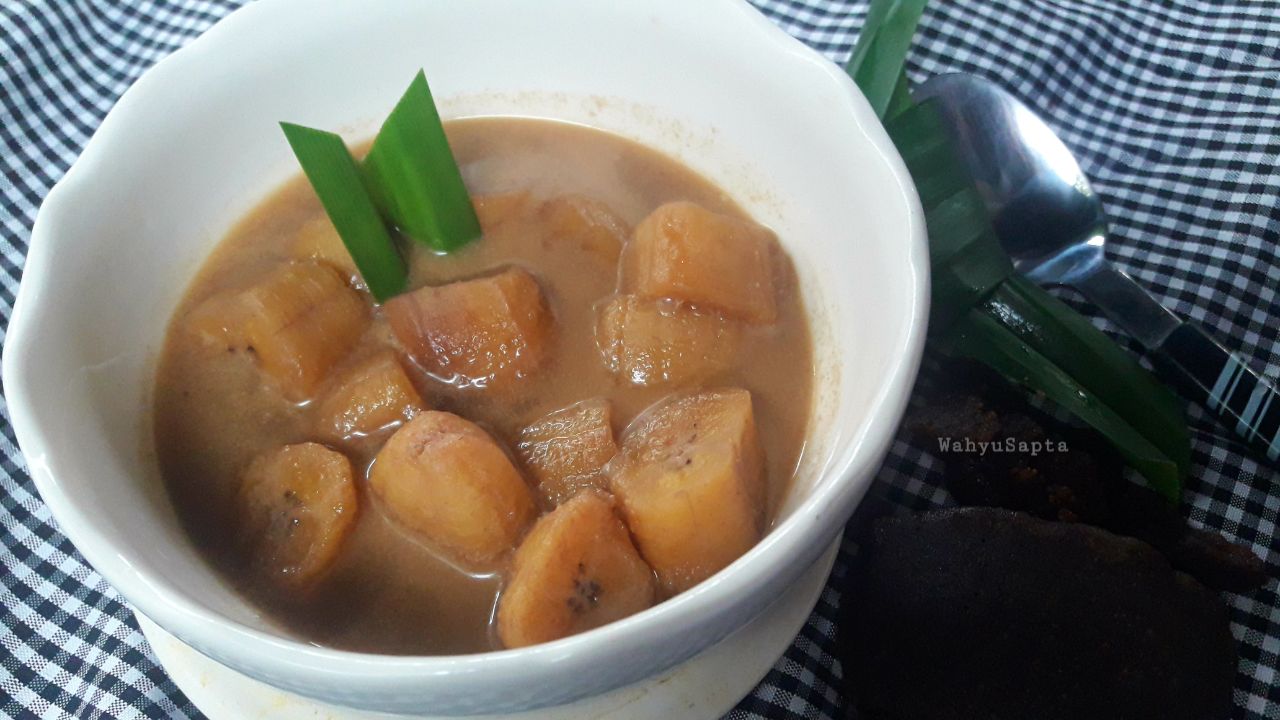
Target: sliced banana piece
(298,505)
(368,398)
(576,570)
(567,449)
(690,479)
(445,479)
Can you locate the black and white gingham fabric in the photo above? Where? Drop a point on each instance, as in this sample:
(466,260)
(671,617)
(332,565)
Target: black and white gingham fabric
(1173,107)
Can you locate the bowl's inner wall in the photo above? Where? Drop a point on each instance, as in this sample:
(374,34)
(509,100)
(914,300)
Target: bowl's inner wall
(154,201)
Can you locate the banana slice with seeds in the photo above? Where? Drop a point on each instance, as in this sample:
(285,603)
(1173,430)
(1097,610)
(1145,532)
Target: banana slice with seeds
(576,570)
(298,505)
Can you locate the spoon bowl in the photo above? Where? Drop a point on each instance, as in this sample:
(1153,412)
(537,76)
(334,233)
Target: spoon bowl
(1041,203)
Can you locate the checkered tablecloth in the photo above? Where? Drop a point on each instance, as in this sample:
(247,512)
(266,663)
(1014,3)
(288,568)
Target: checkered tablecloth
(1173,107)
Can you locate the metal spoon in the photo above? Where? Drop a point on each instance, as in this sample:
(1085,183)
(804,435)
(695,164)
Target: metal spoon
(1053,227)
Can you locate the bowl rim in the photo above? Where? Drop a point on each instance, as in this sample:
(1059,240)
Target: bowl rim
(161,600)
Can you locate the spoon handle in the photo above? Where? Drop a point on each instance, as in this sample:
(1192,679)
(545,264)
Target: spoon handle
(1207,372)
(1200,368)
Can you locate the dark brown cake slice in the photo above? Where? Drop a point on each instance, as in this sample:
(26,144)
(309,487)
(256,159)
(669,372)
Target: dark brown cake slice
(985,613)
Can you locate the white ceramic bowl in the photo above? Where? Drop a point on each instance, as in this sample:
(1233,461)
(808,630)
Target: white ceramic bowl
(195,143)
